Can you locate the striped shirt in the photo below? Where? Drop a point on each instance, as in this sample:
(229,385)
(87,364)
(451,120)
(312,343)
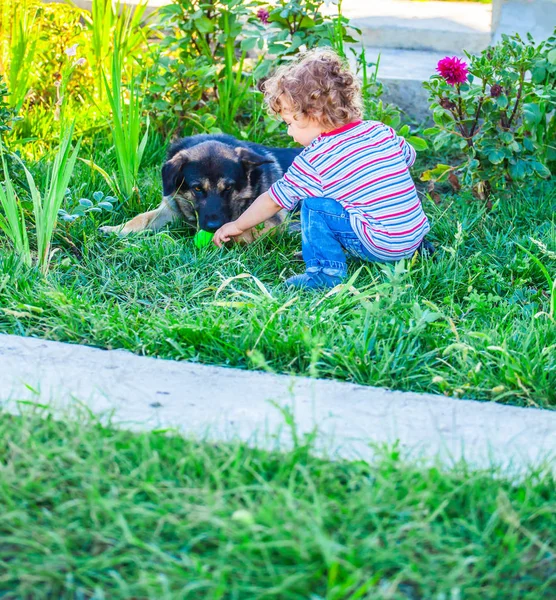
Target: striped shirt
(365,167)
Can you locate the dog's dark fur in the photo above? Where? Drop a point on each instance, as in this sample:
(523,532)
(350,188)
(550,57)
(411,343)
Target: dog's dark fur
(209,180)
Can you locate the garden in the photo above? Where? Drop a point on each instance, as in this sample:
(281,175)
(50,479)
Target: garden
(90,102)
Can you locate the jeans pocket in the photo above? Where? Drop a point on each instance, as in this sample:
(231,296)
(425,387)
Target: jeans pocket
(354,247)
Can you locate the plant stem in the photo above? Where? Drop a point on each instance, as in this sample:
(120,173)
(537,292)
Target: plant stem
(478,111)
(518,97)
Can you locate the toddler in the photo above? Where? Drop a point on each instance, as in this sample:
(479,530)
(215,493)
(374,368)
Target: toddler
(353,177)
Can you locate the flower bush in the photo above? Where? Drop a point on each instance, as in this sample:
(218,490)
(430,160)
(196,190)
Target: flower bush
(301,24)
(498,109)
(212,53)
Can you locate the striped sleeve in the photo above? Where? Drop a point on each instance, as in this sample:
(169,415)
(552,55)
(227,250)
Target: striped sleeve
(408,150)
(300,181)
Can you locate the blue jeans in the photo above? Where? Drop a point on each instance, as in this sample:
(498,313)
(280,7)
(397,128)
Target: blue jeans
(326,233)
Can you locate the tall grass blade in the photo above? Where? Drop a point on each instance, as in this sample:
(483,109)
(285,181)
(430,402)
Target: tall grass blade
(551,282)
(47,205)
(129,30)
(22,45)
(126,124)
(109,21)
(12,221)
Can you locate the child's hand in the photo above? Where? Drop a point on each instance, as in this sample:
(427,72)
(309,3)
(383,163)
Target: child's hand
(227,231)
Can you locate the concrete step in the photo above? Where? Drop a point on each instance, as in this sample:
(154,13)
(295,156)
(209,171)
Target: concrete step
(537,17)
(439,26)
(402,73)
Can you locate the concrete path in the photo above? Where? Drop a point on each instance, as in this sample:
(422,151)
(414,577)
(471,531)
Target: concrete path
(224,404)
(438,26)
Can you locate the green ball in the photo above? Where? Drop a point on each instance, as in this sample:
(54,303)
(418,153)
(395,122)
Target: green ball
(203,238)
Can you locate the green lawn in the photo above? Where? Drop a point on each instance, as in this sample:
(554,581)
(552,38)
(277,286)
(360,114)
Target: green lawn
(92,512)
(473,323)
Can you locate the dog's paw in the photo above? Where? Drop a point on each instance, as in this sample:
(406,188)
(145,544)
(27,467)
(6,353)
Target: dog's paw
(113,230)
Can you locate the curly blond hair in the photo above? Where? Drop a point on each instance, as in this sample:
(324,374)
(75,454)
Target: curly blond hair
(318,85)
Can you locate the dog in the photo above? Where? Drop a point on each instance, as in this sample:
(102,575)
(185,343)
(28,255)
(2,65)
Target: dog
(209,180)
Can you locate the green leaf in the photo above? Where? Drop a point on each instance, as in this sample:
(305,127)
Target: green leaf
(249,43)
(538,74)
(552,57)
(418,143)
(532,114)
(549,280)
(517,170)
(394,121)
(306,23)
(502,101)
(277,48)
(541,169)
(437,173)
(431,131)
(528,143)
(496,157)
(100,170)
(204,25)
(442,117)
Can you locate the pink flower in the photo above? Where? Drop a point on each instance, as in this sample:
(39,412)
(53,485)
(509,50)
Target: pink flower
(453,70)
(72,50)
(80,62)
(263,16)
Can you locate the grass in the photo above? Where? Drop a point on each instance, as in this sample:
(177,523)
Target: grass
(473,323)
(127,124)
(88,511)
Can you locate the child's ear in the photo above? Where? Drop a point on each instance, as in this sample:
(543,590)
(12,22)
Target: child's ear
(252,159)
(171,171)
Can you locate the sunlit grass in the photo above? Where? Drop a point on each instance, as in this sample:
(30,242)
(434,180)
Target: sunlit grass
(91,512)
(474,322)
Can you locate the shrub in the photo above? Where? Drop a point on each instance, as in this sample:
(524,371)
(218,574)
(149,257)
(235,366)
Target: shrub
(498,111)
(6,113)
(200,60)
(214,51)
(301,24)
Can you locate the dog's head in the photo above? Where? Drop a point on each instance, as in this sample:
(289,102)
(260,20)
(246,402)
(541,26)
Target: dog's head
(212,182)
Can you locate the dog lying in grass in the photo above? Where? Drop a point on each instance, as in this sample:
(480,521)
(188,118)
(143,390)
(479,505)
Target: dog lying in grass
(209,180)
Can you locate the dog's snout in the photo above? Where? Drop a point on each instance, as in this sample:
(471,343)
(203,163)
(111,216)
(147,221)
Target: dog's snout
(213,223)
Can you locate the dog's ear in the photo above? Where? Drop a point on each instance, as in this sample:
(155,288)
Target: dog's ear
(171,172)
(251,159)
